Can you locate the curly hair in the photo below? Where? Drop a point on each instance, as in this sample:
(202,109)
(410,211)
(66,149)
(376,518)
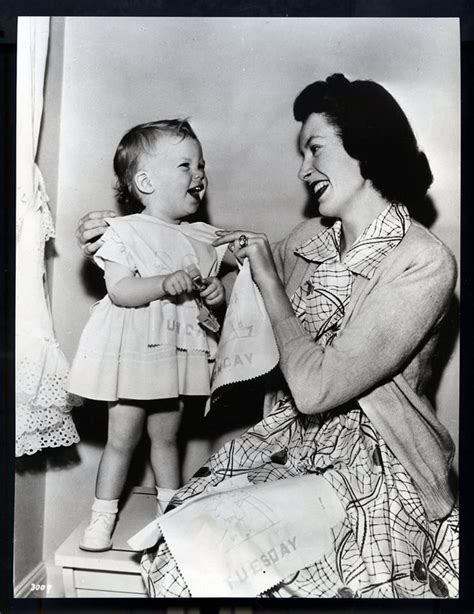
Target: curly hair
(375,131)
(137,141)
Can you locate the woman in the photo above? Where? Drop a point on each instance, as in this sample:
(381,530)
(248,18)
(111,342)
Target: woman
(355,308)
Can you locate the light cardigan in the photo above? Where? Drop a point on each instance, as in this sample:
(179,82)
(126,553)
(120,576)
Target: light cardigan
(381,355)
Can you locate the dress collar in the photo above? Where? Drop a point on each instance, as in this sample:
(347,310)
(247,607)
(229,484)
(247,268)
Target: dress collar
(383,234)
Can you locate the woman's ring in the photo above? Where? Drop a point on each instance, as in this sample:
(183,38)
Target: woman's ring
(243,241)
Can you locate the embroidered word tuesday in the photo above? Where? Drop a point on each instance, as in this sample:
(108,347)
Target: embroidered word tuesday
(267,559)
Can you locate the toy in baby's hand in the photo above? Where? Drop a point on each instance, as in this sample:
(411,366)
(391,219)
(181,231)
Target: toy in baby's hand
(205,316)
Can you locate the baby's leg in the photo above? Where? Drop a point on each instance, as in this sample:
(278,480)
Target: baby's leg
(125,429)
(197,434)
(163,425)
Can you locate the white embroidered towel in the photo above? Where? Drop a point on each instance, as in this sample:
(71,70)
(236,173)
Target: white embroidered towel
(245,540)
(247,347)
(151,533)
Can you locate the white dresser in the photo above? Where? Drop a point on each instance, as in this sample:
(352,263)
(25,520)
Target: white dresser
(115,573)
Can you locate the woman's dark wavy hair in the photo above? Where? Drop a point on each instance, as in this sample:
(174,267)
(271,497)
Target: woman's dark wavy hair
(374,130)
(142,140)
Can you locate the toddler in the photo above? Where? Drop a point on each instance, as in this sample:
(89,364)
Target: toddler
(150,342)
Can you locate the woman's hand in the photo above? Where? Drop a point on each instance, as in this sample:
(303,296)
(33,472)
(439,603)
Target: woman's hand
(256,247)
(177,283)
(214,293)
(90,229)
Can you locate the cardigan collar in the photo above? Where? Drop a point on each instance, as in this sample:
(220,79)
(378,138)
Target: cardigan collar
(381,235)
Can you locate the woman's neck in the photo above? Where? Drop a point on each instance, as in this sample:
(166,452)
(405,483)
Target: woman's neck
(358,217)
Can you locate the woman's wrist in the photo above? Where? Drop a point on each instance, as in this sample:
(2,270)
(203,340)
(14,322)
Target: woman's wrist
(268,281)
(271,286)
(276,301)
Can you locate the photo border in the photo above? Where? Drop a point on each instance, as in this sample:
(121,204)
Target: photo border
(222,8)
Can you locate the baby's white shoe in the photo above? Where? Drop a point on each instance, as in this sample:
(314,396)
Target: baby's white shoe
(97,535)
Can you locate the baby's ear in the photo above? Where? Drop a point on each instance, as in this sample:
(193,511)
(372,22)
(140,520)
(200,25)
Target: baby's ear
(143,183)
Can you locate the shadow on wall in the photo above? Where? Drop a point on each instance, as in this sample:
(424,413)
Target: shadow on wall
(92,279)
(49,458)
(34,464)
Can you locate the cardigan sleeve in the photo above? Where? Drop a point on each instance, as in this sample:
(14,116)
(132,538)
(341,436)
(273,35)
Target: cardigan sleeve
(278,252)
(395,317)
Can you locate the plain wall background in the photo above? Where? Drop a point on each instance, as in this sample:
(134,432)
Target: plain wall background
(236,80)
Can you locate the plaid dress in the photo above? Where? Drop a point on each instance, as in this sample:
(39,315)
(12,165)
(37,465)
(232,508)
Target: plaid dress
(386,546)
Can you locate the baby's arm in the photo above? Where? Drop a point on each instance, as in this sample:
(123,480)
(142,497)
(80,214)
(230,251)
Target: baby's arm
(126,290)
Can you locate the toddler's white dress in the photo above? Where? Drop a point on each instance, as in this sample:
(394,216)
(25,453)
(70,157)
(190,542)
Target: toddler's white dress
(158,350)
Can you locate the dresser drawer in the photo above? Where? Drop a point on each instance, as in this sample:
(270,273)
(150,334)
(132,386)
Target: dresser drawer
(85,592)
(108,581)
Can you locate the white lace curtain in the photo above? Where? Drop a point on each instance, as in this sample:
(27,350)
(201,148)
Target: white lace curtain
(42,405)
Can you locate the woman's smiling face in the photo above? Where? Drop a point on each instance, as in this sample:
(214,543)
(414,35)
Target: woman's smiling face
(327,168)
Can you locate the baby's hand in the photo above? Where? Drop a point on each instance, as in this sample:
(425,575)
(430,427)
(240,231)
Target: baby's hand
(178,282)
(214,293)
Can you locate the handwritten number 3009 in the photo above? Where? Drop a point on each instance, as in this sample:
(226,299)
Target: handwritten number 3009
(40,587)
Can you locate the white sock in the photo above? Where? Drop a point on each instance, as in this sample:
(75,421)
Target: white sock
(163,497)
(105,505)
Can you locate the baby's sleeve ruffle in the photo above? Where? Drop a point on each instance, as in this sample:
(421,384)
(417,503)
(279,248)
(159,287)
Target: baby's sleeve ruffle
(114,250)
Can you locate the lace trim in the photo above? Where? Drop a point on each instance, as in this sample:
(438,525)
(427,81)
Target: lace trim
(47,223)
(43,387)
(38,428)
(40,202)
(43,403)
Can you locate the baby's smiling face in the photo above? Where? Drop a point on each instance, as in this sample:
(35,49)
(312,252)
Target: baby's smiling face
(177,178)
